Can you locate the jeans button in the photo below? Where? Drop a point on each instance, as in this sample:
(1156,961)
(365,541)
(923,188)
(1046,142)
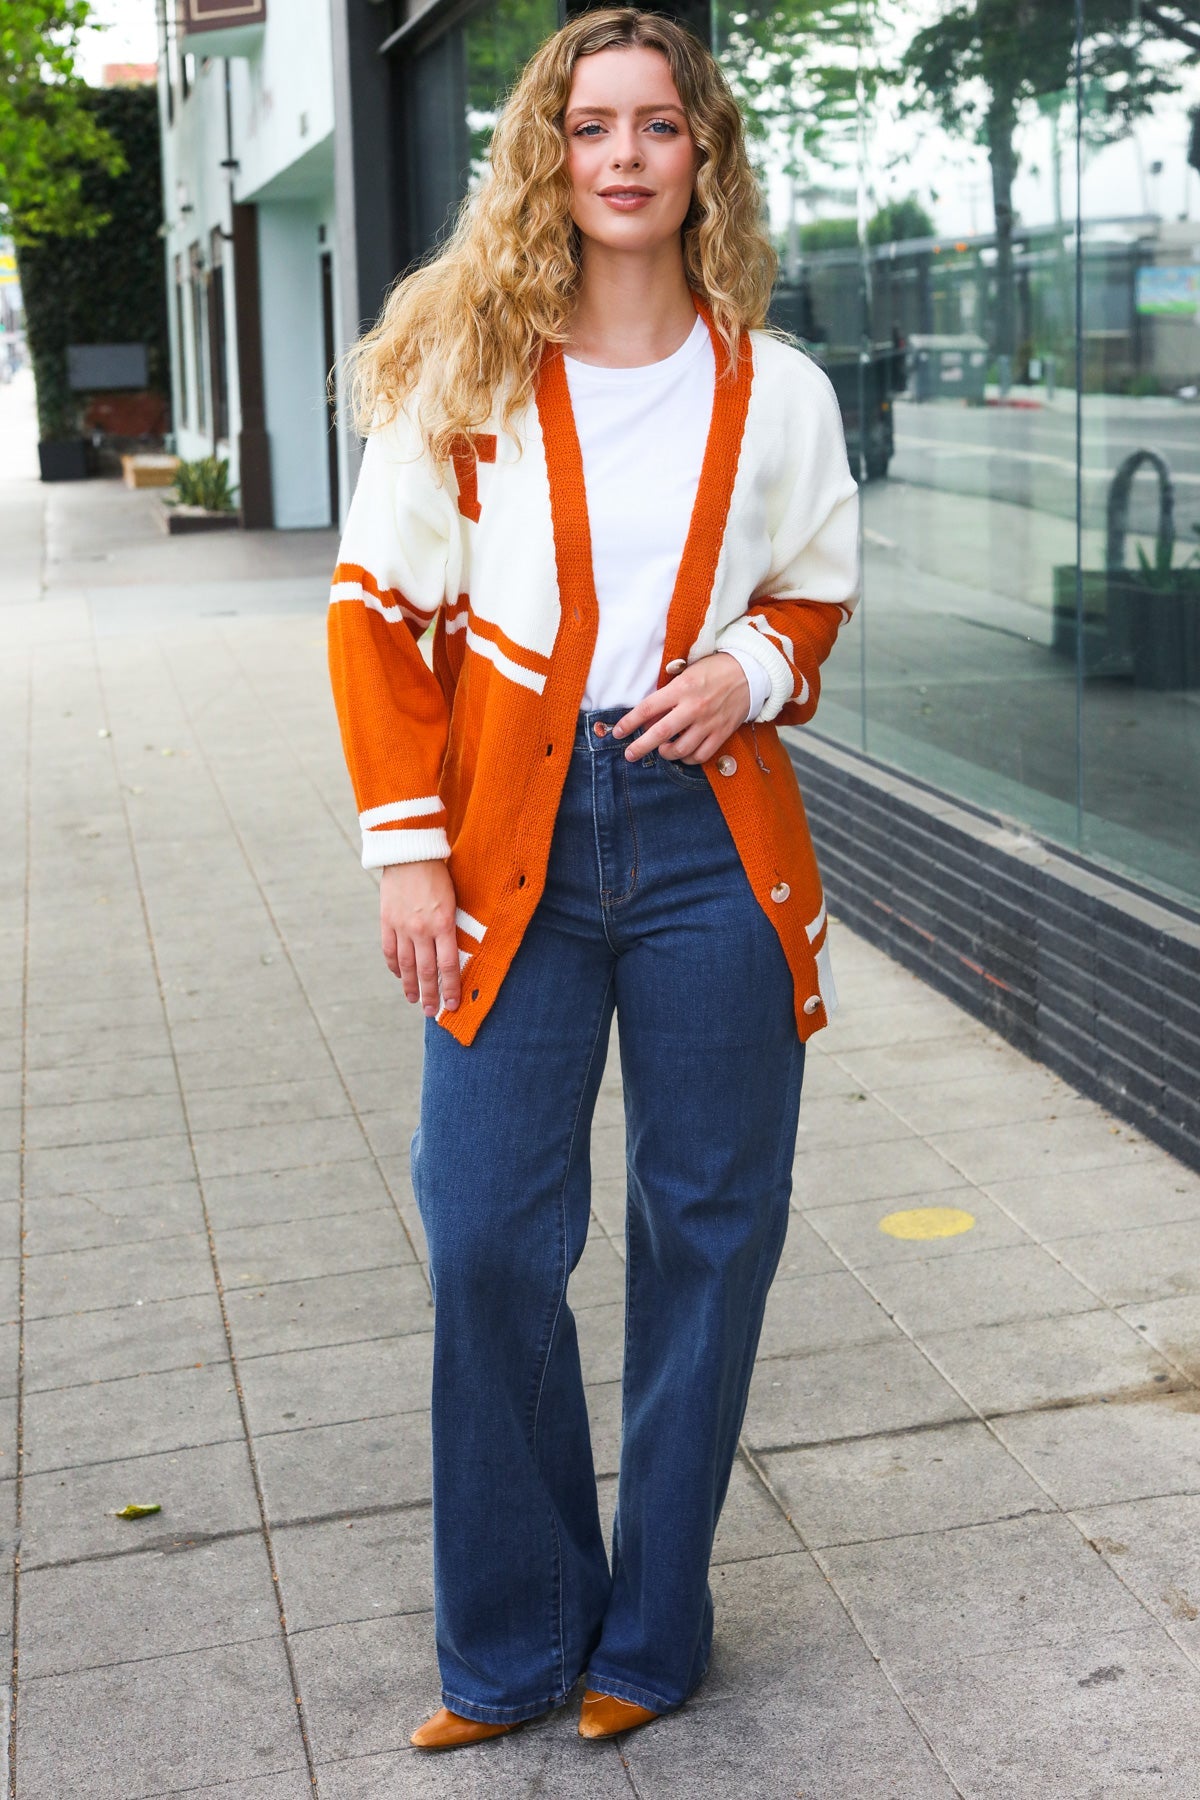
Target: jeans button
(600,728)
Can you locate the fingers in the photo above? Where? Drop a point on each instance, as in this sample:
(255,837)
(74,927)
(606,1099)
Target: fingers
(451,969)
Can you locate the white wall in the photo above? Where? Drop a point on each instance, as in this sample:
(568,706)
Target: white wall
(290,293)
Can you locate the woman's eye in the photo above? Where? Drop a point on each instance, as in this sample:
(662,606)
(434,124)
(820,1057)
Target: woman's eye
(588,130)
(664,125)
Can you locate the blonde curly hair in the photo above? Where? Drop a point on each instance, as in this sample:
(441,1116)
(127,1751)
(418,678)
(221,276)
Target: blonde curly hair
(467,329)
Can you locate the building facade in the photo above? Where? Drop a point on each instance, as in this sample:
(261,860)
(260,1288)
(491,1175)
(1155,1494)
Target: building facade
(246,99)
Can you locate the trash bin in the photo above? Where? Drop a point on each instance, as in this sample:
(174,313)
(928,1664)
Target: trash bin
(947,366)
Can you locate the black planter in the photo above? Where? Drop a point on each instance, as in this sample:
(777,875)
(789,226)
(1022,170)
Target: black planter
(63,459)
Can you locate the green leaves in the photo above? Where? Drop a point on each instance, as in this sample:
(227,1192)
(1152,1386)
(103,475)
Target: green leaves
(49,137)
(205,483)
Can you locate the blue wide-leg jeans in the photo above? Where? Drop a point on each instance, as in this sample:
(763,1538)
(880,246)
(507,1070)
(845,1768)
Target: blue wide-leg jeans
(646,911)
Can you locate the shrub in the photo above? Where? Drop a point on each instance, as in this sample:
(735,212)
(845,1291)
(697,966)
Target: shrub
(205,483)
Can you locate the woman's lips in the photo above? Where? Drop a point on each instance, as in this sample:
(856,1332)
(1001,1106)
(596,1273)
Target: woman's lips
(624,200)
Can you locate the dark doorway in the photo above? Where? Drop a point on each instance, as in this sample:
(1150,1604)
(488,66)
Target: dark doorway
(329,352)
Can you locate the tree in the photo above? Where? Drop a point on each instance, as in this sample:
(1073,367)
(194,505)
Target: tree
(49,137)
(985,61)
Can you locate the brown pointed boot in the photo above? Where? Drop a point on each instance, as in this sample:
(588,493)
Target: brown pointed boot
(446,1730)
(603,1715)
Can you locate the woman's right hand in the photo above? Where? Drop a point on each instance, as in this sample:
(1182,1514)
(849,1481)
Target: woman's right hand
(416,916)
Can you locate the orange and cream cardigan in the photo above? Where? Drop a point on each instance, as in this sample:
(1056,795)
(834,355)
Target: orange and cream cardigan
(464,756)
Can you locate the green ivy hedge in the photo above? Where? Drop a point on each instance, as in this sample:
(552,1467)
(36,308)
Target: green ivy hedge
(109,288)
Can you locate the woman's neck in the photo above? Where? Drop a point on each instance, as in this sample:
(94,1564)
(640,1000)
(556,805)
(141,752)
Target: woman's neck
(632,309)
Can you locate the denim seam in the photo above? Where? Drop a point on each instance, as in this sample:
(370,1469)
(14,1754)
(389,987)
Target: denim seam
(562,1214)
(503,1715)
(600,1683)
(620,899)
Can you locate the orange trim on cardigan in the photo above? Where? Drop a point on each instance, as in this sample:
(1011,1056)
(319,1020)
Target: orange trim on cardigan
(466,453)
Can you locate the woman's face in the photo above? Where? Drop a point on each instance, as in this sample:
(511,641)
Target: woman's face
(630,155)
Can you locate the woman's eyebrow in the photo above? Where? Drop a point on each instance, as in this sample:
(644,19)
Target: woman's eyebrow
(610,112)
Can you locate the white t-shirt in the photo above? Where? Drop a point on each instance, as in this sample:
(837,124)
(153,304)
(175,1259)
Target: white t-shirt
(642,434)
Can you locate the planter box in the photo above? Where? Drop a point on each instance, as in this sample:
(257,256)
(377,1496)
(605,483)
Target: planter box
(179,520)
(148,469)
(1131,626)
(63,460)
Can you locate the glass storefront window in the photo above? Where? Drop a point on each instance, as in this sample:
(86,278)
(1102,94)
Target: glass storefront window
(455,88)
(920,165)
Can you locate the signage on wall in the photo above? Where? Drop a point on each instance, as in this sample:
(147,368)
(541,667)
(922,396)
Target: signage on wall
(1169,288)
(219,15)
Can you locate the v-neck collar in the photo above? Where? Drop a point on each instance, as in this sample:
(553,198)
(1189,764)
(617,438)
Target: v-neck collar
(710,509)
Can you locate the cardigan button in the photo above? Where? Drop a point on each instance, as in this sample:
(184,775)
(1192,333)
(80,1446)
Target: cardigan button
(780,891)
(727,765)
(812,1004)
(676,665)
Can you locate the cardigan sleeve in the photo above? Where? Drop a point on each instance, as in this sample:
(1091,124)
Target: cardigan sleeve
(812,586)
(396,562)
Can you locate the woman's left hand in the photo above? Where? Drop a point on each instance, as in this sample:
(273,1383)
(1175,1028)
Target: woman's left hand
(694,714)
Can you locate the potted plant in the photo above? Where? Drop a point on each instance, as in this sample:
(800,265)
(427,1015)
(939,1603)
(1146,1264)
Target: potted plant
(1142,622)
(62,447)
(203,497)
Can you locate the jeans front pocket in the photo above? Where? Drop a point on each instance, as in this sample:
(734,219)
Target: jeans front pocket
(688,775)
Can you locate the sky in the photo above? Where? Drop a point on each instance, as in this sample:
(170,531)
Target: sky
(131,37)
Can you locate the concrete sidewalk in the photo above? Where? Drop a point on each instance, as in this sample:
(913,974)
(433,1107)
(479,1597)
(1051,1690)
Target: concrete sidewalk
(958,1556)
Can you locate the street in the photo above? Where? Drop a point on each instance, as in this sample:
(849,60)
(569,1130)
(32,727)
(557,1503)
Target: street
(958,1554)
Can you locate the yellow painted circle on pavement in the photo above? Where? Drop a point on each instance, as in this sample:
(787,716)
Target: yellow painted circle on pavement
(927,1222)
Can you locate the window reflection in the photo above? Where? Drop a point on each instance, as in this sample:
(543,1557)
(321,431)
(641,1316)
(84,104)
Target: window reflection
(1031,633)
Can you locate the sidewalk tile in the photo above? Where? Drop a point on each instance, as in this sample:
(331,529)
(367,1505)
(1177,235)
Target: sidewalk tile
(854,1231)
(997,1098)
(1173,1327)
(543,1758)
(279,1196)
(821,1722)
(751,1524)
(1156,1191)
(1109,1716)
(350,1468)
(330,1309)
(107,1081)
(1126,1450)
(136,1608)
(947,1293)
(1147,1262)
(813,1313)
(902,1166)
(1151,1545)
(130,1215)
(254,1255)
(108,1342)
(983,1590)
(101,1732)
(367,1685)
(902,1482)
(1042,1147)
(110,1420)
(99,1121)
(69,1513)
(855,1392)
(338,1382)
(343,1570)
(1038,1362)
(162,1268)
(257,1149)
(101,1168)
(266,1103)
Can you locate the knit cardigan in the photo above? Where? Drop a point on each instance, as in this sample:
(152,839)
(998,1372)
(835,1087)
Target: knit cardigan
(464,756)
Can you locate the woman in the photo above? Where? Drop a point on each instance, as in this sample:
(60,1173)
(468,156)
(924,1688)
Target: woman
(627,511)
